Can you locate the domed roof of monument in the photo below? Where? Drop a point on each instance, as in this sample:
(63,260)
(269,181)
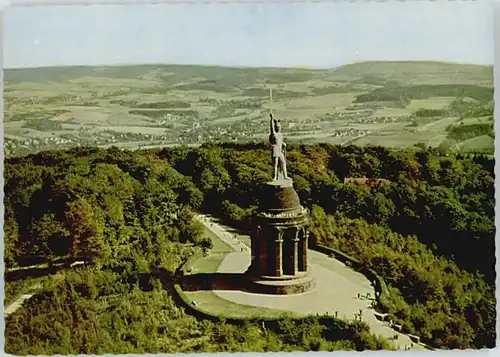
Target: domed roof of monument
(280,196)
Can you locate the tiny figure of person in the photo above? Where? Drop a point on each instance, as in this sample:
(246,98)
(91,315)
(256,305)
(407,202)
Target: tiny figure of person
(278,145)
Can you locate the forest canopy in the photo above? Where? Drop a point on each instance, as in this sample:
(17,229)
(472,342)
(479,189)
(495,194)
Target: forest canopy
(429,232)
(129,216)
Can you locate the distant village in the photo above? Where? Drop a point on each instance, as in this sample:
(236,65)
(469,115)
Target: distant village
(193,130)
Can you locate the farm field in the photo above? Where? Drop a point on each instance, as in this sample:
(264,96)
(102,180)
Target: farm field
(479,143)
(396,140)
(396,104)
(430,103)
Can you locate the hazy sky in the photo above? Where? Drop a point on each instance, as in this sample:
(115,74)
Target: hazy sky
(293,34)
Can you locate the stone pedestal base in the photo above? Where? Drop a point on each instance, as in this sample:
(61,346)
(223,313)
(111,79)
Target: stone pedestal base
(279,242)
(284,285)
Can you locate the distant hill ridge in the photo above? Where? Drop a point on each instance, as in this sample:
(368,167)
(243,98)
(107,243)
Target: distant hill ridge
(396,70)
(414,65)
(391,68)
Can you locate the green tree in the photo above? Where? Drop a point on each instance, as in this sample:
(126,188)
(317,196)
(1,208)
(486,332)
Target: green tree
(50,236)
(86,226)
(11,236)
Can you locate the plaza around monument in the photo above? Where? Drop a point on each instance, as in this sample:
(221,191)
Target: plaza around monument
(335,292)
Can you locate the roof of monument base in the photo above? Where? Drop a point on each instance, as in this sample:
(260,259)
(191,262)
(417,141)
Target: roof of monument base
(281,183)
(280,196)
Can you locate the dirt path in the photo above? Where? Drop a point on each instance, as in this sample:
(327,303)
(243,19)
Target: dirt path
(18,303)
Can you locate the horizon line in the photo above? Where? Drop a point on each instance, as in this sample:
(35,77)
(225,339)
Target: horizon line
(303,67)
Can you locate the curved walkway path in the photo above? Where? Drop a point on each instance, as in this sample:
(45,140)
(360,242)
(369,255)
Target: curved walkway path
(337,290)
(18,303)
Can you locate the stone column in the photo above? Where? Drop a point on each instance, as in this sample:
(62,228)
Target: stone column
(262,250)
(300,250)
(279,253)
(304,247)
(255,248)
(295,252)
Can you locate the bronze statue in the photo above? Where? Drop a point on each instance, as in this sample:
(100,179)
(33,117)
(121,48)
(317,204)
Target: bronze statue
(278,150)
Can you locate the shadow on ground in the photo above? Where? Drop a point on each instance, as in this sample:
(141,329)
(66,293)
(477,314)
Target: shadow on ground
(214,281)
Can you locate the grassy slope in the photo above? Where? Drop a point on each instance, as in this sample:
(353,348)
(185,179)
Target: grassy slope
(483,142)
(209,301)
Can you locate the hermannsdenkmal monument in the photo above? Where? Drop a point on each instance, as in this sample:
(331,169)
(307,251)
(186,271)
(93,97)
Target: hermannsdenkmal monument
(280,231)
